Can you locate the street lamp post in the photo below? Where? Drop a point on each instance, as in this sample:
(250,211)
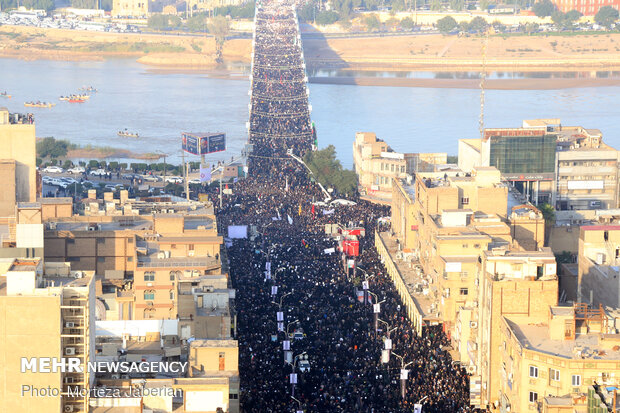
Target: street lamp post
(376,309)
(404,373)
(299,403)
(293,374)
(279,304)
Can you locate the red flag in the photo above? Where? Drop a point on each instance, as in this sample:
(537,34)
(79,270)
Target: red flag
(312,209)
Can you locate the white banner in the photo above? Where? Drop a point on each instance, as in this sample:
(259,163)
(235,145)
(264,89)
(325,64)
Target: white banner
(328,211)
(205,173)
(329,250)
(237,231)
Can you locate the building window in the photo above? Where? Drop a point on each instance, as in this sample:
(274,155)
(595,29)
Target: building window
(130,240)
(70,241)
(233,396)
(465,200)
(554,374)
(149,276)
(191,247)
(533,397)
(73,259)
(100,259)
(222,361)
(172,276)
(129,259)
(149,295)
(465,245)
(576,380)
(171,295)
(464,291)
(173,246)
(100,240)
(534,372)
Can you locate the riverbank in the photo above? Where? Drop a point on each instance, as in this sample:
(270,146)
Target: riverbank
(490,84)
(107,153)
(422,52)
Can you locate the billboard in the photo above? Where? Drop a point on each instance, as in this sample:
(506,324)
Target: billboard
(190,143)
(203,143)
(213,142)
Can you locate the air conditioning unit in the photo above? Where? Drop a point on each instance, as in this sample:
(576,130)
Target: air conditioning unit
(51,225)
(69,324)
(473,324)
(116,376)
(190,253)
(70,351)
(149,284)
(447,293)
(68,408)
(90,229)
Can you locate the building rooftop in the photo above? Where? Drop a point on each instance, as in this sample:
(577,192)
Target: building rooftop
(536,337)
(125,223)
(213,343)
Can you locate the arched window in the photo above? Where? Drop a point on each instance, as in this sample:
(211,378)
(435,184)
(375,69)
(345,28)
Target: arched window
(149,294)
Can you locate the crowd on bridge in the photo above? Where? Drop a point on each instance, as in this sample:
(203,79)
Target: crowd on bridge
(280,116)
(291,276)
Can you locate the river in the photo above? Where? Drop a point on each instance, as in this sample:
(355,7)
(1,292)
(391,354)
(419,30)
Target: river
(159,105)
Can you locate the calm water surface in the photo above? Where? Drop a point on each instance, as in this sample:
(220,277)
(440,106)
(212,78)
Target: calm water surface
(159,106)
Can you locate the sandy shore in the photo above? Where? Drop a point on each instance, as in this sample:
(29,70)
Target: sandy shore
(177,53)
(490,84)
(103,153)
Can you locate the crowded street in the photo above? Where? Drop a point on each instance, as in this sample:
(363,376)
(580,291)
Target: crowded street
(307,332)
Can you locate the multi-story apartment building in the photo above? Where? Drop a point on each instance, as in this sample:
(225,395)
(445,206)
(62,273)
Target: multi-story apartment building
(18,172)
(598,265)
(587,7)
(568,167)
(511,283)
(45,315)
(552,362)
(376,164)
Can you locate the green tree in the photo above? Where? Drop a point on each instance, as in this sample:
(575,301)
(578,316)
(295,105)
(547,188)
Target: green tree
(219,27)
(478,24)
(558,19)
(163,22)
(564,257)
(543,8)
(407,23)
(606,16)
(457,5)
(435,5)
(197,23)
(244,11)
(484,4)
(84,4)
(50,147)
(372,22)
(329,172)
(573,16)
(446,24)
(326,17)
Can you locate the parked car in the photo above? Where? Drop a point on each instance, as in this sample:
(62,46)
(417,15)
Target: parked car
(151,178)
(76,170)
(53,169)
(174,179)
(99,172)
(195,181)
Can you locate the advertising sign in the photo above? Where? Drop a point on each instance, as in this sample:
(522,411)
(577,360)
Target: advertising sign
(190,143)
(212,142)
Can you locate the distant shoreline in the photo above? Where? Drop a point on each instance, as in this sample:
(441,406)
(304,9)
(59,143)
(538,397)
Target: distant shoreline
(490,84)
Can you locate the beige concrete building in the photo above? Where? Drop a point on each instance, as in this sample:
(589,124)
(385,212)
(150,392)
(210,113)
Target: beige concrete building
(130,8)
(598,261)
(376,164)
(548,365)
(47,313)
(210,5)
(512,283)
(18,172)
(569,167)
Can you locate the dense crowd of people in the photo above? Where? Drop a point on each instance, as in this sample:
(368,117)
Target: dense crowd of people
(290,263)
(279,117)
